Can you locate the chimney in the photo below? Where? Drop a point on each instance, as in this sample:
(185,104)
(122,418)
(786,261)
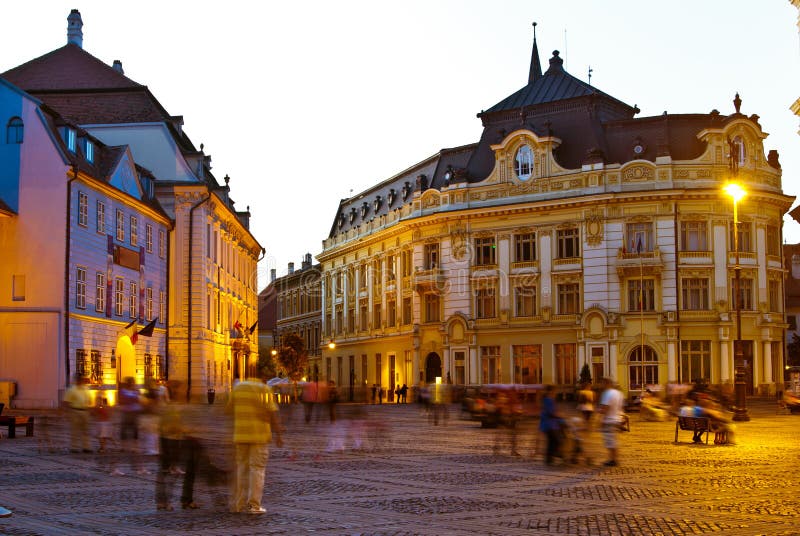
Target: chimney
(306,261)
(118,67)
(795,266)
(291,268)
(75,28)
(272,275)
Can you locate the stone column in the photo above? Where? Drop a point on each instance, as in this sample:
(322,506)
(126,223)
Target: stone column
(672,369)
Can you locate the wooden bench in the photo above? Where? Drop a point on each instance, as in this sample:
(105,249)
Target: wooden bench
(693,424)
(11,422)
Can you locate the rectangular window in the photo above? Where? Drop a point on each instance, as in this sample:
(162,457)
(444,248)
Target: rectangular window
(642,371)
(641,295)
(362,276)
(695,361)
(525,247)
(148,366)
(162,307)
(524,301)
(100,292)
(431,307)
(774,295)
(162,243)
(148,294)
(694,294)
(148,238)
(773,241)
(71,139)
(339,319)
(133,311)
(363,314)
(745,237)
(89,151)
(490,364)
(527,363)
(119,296)
(96,374)
(120,226)
(83,209)
(18,287)
(134,231)
(378,369)
(431,256)
(639,237)
(694,236)
(80,288)
(485,302)
(566,364)
(569,298)
(81,364)
(407,310)
(405,262)
(485,249)
(101,217)
(391,313)
(376,316)
(568,243)
(390,268)
(351,319)
(745,302)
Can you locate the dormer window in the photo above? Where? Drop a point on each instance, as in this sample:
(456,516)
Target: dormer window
(89,151)
(523,162)
(352,215)
(71,139)
(391,196)
(341,220)
(14,130)
(364,210)
(377,203)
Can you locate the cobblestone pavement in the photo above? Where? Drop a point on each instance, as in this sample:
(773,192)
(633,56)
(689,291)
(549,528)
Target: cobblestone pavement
(411,477)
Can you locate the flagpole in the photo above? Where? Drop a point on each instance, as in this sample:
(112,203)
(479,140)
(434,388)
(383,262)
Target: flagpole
(641,323)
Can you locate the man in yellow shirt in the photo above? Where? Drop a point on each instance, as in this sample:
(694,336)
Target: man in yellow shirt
(255,419)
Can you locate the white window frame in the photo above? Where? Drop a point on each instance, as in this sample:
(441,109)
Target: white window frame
(120,225)
(83,209)
(101,217)
(80,287)
(100,292)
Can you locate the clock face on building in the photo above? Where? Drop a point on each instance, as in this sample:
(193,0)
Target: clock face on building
(638,149)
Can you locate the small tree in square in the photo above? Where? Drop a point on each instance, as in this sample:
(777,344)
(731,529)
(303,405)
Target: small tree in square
(586,375)
(293,356)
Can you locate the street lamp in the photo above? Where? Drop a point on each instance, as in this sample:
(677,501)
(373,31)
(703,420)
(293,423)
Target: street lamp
(737,193)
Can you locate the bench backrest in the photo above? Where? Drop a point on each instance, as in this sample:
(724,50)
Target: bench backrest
(693,423)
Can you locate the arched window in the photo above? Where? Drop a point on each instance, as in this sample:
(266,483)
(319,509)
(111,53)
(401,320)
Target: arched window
(739,152)
(643,365)
(14,130)
(523,163)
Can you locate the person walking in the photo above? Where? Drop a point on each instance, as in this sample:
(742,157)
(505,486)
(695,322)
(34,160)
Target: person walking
(550,425)
(130,408)
(78,403)
(255,420)
(611,408)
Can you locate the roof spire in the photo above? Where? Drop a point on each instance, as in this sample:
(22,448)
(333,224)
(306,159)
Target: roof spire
(75,28)
(536,67)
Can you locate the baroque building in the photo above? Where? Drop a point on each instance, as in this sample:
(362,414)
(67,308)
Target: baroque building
(571,233)
(84,271)
(212,311)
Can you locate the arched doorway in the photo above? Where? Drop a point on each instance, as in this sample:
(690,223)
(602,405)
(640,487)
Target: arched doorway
(126,359)
(433,367)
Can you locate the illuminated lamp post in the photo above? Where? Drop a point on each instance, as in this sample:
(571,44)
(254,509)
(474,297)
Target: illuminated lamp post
(736,193)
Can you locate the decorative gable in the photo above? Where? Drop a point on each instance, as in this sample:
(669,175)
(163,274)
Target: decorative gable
(123,176)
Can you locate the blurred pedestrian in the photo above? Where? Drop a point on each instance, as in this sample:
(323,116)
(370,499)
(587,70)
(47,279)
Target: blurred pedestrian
(333,399)
(177,448)
(374,392)
(586,401)
(550,424)
(78,403)
(255,420)
(310,398)
(611,407)
(130,408)
(102,417)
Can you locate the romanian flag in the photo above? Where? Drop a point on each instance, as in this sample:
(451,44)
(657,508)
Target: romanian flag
(131,331)
(147,331)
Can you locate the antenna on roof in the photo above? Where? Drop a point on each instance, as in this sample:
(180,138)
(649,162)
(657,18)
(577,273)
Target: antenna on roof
(565,49)
(590,74)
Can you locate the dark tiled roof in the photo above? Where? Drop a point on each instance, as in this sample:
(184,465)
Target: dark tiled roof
(67,67)
(554,85)
(87,108)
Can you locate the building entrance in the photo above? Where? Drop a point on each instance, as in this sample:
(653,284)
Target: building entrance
(433,367)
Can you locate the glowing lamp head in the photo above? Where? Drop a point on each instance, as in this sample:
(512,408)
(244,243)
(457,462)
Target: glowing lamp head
(332,345)
(735,191)
(274,352)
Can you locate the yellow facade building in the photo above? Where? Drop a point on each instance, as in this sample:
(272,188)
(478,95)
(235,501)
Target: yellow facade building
(571,233)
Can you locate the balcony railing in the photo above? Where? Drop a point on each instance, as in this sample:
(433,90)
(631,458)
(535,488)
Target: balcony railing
(632,263)
(431,279)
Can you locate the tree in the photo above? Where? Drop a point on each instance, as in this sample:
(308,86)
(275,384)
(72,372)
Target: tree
(793,351)
(266,365)
(293,356)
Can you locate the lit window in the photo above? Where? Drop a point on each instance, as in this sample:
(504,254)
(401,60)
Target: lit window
(134,231)
(523,163)
(80,288)
(100,292)
(71,139)
(120,226)
(119,296)
(15,130)
(83,209)
(89,151)
(132,301)
(101,217)
(148,293)
(162,305)
(148,238)
(162,243)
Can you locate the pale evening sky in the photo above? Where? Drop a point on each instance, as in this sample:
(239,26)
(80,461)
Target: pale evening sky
(304,103)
